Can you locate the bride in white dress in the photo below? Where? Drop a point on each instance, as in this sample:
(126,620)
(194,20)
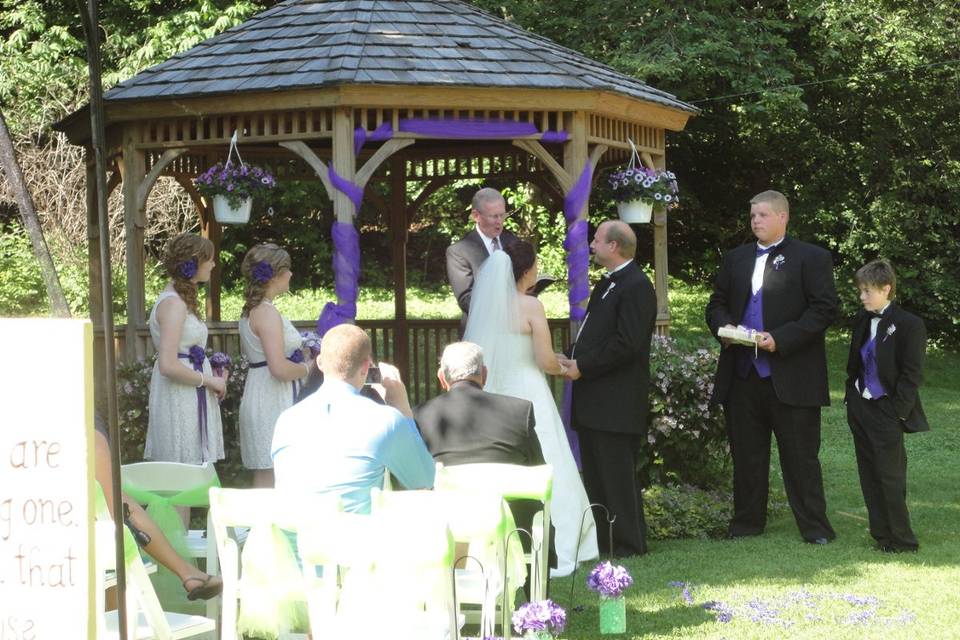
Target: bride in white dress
(512,329)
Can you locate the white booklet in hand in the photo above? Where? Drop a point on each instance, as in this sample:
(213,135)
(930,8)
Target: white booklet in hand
(740,335)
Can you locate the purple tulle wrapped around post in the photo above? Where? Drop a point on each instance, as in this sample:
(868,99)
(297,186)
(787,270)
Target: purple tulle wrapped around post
(360,136)
(578,251)
(344,186)
(346,271)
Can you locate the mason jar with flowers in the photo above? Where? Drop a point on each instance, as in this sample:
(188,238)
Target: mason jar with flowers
(638,189)
(610,581)
(232,189)
(541,620)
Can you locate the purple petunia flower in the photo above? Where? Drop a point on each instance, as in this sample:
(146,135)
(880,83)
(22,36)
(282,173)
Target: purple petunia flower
(187,269)
(262,272)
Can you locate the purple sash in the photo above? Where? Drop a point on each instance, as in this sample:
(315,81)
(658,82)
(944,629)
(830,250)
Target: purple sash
(296,356)
(196,355)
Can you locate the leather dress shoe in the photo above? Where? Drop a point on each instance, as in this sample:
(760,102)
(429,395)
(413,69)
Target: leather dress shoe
(818,541)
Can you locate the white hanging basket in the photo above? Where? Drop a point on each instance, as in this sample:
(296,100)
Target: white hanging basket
(225,214)
(635,211)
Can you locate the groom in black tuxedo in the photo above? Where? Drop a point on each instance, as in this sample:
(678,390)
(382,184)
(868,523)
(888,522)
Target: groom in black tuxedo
(489,210)
(783,289)
(609,364)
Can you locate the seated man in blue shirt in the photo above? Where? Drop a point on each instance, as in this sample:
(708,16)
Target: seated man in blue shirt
(337,441)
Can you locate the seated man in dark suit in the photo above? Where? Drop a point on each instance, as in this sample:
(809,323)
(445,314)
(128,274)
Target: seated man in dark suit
(467,425)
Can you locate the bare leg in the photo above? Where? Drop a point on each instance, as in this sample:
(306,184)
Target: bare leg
(263,478)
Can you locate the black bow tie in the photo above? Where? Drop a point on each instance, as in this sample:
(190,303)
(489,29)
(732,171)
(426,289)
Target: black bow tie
(763,252)
(875,314)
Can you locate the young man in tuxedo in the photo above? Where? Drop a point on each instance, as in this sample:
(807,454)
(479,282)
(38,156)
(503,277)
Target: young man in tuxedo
(884,372)
(489,211)
(609,364)
(783,289)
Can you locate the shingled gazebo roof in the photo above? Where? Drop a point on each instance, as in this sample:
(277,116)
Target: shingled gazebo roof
(302,44)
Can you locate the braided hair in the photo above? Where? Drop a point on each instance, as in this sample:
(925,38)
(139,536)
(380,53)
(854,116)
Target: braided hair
(179,251)
(256,287)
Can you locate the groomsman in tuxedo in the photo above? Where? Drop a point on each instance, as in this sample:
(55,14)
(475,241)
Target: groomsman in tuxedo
(884,372)
(784,289)
(609,363)
(489,211)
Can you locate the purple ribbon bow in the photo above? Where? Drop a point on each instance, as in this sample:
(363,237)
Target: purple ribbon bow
(196,355)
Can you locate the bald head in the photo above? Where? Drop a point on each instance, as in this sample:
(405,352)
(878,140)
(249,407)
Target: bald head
(345,352)
(621,233)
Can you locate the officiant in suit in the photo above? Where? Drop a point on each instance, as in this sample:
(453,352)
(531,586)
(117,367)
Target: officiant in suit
(488,211)
(466,425)
(783,288)
(884,373)
(609,363)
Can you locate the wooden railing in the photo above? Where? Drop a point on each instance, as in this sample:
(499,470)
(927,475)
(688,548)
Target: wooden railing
(425,342)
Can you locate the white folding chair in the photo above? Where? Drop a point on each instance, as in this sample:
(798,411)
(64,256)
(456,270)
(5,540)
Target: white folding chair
(255,509)
(145,617)
(394,562)
(511,481)
(179,485)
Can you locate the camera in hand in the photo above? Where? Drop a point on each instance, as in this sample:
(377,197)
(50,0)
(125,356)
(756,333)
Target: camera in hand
(373,376)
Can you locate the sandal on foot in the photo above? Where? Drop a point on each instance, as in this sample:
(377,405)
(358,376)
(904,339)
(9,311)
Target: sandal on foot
(209,587)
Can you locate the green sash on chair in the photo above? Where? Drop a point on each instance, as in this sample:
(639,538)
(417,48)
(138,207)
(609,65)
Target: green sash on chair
(162,509)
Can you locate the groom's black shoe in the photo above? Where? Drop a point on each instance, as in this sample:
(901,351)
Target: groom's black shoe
(819,541)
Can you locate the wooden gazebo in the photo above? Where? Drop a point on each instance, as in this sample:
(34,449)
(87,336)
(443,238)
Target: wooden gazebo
(307,81)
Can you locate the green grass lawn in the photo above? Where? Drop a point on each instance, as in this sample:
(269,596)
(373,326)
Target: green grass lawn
(776,586)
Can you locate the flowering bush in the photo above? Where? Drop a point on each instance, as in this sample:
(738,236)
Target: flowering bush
(609,580)
(133,381)
(650,185)
(686,440)
(234,183)
(544,619)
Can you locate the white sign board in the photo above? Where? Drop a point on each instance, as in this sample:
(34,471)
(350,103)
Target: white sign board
(46,475)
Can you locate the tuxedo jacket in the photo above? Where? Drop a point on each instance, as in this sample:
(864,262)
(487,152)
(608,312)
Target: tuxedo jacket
(900,346)
(466,425)
(613,355)
(799,303)
(463,262)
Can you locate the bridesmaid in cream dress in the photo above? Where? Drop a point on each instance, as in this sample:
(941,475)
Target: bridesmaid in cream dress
(184,410)
(273,347)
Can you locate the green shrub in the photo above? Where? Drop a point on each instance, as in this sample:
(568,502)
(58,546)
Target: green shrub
(686,441)
(685,511)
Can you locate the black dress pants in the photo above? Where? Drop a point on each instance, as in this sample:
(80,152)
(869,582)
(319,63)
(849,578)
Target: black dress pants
(610,478)
(882,463)
(753,412)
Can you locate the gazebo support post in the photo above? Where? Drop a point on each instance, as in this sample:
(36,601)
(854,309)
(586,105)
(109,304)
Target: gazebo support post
(134,218)
(399,226)
(660,262)
(575,155)
(343,163)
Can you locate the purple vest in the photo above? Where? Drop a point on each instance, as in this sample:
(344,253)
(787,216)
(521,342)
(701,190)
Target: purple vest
(870,379)
(753,319)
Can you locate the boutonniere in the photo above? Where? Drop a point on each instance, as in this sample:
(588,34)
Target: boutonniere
(890,331)
(778,262)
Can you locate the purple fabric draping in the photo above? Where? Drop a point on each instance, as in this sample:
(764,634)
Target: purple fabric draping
(578,263)
(578,251)
(346,271)
(351,190)
(196,356)
(360,136)
(554,137)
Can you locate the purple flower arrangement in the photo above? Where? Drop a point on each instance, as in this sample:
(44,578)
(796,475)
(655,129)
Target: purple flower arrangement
(609,580)
(542,617)
(262,272)
(311,341)
(220,361)
(655,186)
(234,183)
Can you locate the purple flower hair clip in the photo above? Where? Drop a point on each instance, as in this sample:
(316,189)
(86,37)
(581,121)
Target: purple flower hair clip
(188,268)
(262,272)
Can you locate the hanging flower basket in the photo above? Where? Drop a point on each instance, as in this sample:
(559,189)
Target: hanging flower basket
(232,187)
(225,213)
(635,211)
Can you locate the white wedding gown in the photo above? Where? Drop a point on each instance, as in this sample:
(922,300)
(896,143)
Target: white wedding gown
(512,370)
